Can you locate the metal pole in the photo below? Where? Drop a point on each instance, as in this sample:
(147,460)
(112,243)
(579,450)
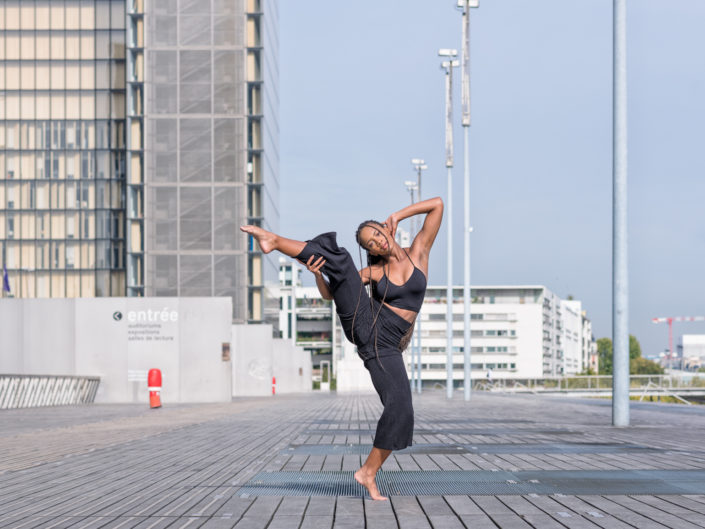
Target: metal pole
(670,343)
(620,291)
(466,270)
(465,91)
(449,291)
(449,222)
(411,236)
(418,319)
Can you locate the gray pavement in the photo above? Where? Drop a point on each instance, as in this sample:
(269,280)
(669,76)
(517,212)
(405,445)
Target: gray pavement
(287,462)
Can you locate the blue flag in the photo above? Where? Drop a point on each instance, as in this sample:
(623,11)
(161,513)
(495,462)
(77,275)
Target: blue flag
(5,280)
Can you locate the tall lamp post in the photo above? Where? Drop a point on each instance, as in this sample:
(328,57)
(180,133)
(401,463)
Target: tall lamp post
(620,285)
(465,5)
(419,166)
(411,186)
(448,66)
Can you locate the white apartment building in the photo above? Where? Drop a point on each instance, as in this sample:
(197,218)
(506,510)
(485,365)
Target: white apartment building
(571,341)
(692,351)
(523,331)
(305,316)
(589,345)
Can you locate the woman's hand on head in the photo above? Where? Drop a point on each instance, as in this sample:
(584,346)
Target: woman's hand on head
(315,265)
(391,224)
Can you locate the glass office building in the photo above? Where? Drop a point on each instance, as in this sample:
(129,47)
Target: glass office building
(62,150)
(136,137)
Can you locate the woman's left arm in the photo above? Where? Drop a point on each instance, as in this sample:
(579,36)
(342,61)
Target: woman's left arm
(433,208)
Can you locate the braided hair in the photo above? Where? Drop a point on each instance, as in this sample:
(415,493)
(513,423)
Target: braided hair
(371,261)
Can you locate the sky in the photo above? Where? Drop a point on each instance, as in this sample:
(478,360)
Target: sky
(362,92)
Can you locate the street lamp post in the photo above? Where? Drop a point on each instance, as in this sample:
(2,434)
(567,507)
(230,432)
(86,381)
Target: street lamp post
(620,285)
(465,5)
(448,66)
(420,166)
(412,186)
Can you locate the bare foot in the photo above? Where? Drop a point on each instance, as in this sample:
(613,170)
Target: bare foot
(367,481)
(266,239)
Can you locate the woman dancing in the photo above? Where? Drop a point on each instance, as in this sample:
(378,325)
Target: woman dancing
(379,325)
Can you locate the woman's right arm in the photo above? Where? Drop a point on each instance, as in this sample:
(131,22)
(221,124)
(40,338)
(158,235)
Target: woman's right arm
(433,209)
(321,283)
(323,287)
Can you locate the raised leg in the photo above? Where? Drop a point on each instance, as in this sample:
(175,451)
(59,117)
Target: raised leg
(365,476)
(269,241)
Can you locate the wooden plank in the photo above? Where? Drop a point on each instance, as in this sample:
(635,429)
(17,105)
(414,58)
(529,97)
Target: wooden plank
(621,513)
(317,522)
(602,519)
(321,506)
(653,513)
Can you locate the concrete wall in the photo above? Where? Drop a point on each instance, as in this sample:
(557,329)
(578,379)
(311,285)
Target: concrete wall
(291,366)
(119,340)
(257,357)
(252,360)
(37,336)
(351,374)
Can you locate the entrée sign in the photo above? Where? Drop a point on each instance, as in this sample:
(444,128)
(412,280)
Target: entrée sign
(146,325)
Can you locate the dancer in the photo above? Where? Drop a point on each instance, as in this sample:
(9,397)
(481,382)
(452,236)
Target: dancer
(380,324)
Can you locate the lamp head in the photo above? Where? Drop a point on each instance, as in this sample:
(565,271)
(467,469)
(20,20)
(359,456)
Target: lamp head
(447,52)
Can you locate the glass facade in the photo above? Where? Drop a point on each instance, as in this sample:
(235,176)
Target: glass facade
(62,147)
(135,138)
(196,125)
(263,154)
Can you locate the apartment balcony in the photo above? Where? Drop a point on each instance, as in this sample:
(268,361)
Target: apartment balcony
(314,344)
(318,313)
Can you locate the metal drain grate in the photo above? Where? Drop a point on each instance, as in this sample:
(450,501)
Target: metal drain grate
(350,422)
(560,448)
(503,431)
(461,431)
(435,483)
(475,420)
(364,449)
(460,420)
(506,448)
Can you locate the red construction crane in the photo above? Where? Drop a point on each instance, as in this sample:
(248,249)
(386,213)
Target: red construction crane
(670,328)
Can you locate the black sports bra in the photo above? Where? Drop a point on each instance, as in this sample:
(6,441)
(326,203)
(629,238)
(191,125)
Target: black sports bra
(408,296)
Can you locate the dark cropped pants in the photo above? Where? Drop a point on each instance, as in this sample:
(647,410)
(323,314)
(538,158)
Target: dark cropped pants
(376,331)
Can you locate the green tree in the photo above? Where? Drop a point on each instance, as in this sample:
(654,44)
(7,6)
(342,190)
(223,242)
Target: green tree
(634,348)
(604,353)
(644,366)
(604,356)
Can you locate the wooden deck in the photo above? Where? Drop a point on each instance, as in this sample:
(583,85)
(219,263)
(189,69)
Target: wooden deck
(185,466)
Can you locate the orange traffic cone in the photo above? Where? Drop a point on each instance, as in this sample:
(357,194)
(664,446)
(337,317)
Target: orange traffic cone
(154,381)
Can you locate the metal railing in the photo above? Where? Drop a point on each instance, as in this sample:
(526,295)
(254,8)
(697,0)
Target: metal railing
(641,386)
(597,382)
(29,391)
